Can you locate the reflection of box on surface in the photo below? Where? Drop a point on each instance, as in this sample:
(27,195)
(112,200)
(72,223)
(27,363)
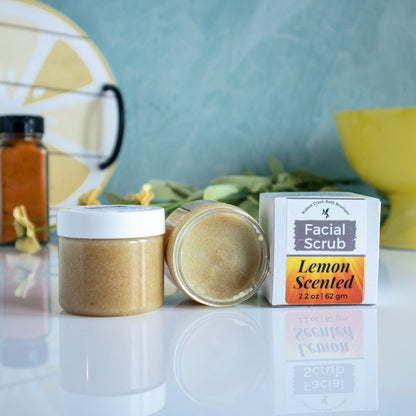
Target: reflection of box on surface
(324,360)
(323,379)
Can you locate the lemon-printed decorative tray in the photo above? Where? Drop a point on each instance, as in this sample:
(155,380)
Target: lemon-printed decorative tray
(49,66)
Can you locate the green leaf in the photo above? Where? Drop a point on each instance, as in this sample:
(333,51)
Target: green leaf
(255,184)
(236,198)
(219,192)
(241,190)
(251,207)
(301,176)
(171,191)
(117,200)
(283,187)
(329,188)
(308,181)
(254,199)
(275,166)
(182,189)
(285,178)
(162,191)
(194,196)
(247,172)
(168,206)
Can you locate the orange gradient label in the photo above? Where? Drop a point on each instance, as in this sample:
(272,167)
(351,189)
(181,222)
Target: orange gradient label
(317,280)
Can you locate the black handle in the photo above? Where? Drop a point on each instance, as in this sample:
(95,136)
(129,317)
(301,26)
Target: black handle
(120,132)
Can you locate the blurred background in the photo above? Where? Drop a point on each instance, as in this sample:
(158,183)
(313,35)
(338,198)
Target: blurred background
(211,86)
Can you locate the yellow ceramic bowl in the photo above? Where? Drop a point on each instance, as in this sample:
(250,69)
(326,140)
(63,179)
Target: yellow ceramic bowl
(381,146)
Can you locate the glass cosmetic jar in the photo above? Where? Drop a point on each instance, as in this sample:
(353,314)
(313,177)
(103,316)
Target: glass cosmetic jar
(110,259)
(23,174)
(216,253)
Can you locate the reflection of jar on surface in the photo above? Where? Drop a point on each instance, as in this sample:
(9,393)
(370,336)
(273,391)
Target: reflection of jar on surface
(24,318)
(112,366)
(217,357)
(23,164)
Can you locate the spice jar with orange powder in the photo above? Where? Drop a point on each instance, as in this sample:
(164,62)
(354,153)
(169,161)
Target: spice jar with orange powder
(24,174)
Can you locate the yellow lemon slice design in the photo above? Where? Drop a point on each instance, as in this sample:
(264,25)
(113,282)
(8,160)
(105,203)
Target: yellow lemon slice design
(49,67)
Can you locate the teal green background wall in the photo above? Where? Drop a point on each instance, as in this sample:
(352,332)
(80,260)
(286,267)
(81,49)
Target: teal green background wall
(214,85)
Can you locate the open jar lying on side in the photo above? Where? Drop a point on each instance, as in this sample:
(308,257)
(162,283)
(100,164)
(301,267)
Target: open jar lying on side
(216,253)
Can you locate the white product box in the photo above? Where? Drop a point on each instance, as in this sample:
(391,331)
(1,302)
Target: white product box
(324,247)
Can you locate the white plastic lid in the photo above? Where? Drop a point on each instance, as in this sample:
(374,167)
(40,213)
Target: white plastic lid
(110,221)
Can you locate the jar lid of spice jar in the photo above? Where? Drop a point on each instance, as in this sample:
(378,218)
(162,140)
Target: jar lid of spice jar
(21,124)
(110,221)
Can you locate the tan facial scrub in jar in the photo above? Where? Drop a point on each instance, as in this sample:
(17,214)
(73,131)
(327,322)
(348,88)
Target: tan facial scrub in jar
(110,259)
(216,253)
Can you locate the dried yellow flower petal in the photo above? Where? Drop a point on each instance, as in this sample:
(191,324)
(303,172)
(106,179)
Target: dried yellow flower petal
(90,197)
(143,197)
(26,240)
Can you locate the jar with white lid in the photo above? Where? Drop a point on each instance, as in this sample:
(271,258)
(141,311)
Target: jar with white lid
(110,259)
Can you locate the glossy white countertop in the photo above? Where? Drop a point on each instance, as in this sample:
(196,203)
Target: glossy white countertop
(189,359)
